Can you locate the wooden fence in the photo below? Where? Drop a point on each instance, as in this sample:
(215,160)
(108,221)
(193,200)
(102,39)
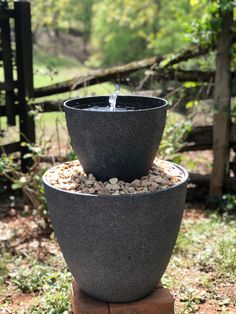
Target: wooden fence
(16,57)
(16,54)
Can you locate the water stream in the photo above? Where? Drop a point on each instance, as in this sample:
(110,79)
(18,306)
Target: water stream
(113,98)
(112,103)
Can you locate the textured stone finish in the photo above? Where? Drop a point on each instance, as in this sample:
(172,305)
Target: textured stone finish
(117,247)
(120,144)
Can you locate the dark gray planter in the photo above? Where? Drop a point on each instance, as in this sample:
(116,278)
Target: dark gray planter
(120,144)
(117,247)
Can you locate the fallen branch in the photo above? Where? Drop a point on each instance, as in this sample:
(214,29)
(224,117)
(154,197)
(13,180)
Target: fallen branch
(188,54)
(183,76)
(94,77)
(187,94)
(117,72)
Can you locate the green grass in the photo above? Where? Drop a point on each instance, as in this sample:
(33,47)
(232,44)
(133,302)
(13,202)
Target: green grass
(204,261)
(49,117)
(50,69)
(44,59)
(48,282)
(214,238)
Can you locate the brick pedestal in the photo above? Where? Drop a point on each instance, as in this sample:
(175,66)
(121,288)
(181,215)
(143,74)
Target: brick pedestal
(160,301)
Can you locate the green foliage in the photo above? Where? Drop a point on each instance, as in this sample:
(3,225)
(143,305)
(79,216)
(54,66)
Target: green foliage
(204,29)
(173,18)
(127,30)
(204,260)
(55,298)
(50,62)
(49,14)
(4,269)
(175,131)
(228,204)
(72,155)
(51,284)
(120,29)
(213,237)
(226,260)
(29,183)
(183,244)
(61,15)
(79,16)
(32,278)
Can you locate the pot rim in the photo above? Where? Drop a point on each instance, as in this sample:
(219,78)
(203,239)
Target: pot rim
(185,179)
(67,106)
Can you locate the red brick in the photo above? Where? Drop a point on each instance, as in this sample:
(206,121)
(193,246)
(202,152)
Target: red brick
(160,301)
(83,304)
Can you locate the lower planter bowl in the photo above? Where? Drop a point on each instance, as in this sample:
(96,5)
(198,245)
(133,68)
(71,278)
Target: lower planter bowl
(117,247)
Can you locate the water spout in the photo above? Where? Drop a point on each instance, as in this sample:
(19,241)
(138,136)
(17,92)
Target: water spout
(113,97)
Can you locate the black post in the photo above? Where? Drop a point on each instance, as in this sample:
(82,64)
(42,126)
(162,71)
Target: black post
(6,56)
(24,62)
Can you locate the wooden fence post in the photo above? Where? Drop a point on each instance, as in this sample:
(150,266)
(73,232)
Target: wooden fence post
(6,54)
(24,63)
(222,94)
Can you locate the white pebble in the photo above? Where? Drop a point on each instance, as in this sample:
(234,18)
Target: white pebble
(89,182)
(71,177)
(113,180)
(135,183)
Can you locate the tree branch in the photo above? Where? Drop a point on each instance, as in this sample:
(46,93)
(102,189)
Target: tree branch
(115,73)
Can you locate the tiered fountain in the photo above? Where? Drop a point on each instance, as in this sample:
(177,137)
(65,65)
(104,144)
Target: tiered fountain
(117,247)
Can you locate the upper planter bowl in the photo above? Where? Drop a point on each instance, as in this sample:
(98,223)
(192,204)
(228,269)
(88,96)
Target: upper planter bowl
(120,144)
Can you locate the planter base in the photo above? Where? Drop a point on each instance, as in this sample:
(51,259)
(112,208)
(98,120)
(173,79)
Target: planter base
(160,301)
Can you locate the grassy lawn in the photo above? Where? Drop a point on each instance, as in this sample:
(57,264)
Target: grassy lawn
(202,271)
(53,69)
(201,274)
(48,69)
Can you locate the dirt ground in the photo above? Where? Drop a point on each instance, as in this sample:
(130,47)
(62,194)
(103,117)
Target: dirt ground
(194,275)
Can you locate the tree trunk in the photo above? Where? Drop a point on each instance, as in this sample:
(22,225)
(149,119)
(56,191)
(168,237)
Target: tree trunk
(222,96)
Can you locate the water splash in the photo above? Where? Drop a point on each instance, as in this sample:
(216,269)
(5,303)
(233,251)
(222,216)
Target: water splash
(112,104)
(113,97)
